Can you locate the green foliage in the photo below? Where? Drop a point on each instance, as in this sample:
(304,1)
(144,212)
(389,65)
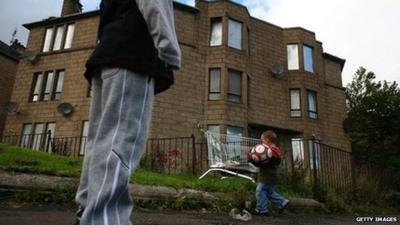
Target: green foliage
(374,119)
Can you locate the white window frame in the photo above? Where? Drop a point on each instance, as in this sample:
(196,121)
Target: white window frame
(58,37)
(295,110)
(84,136)
(48,39)
(216,31)
(292,51)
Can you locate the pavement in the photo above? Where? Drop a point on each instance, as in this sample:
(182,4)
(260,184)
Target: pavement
(57,215)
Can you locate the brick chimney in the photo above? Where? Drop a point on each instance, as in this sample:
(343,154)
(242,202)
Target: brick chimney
(71,7)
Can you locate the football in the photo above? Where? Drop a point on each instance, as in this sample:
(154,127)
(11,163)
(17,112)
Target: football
(261,154)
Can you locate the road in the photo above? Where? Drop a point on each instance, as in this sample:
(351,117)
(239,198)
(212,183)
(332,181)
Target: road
(56,215)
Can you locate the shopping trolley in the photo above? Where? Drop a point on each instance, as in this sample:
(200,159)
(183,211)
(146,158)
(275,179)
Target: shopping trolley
(228,154)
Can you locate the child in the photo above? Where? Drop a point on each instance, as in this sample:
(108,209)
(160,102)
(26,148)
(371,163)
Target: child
(267,178)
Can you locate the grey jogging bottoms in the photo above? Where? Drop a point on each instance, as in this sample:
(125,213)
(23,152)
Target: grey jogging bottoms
(119,120)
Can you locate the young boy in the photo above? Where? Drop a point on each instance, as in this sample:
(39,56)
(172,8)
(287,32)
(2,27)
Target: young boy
(267,178)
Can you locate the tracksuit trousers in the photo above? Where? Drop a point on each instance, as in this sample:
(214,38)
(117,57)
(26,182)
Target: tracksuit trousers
(119,119)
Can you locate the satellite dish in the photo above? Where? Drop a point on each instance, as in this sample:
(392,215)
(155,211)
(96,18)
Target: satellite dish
(277,70)
(65,109)
(11,107)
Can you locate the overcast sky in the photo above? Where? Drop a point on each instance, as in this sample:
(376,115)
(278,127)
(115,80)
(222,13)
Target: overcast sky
(364,32)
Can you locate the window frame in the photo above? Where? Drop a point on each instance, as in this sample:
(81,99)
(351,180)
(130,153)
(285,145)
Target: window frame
(312,59)
(314,145)
(311,112)
(44,82)
(44,86)
(209,84)
(301,153)
(212,21)
(67,25)
(33,87)
(83,138)
(292,110)
(241,34)
(55,91)
(298,57)
(229,93)
(50,41)
(54,35)
(25,140)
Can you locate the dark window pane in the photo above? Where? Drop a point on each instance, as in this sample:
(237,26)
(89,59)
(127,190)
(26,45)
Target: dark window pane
(235,34)
(234,88)
(308,59)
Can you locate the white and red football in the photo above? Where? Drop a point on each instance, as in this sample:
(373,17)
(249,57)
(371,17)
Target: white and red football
(261,154)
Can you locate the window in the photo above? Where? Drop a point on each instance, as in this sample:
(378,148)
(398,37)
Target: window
(214,129)
(214,92)
(35,135)
(312,104)
(295,105)
(314,153)
(50,129)
(26,134)
(84,135)
(293,57)
(248,89)
(49,81)
(58,38)
(47,86)
(69,36)
(234,142)
(234,86)
(235,34)
(59,84)
(297,152)
(38,136)
(308,59)
(47,39)
(37,87)
(216,32)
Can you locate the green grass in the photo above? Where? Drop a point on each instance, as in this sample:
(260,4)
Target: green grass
(18,159)
(211,183)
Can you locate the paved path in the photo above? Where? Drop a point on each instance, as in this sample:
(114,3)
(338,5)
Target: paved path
(54,215)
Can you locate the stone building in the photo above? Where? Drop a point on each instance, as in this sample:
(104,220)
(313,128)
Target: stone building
(240,75)
(9,59)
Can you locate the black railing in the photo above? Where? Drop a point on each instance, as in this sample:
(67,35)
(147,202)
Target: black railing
(67,146)
(322,167)
(307,165)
